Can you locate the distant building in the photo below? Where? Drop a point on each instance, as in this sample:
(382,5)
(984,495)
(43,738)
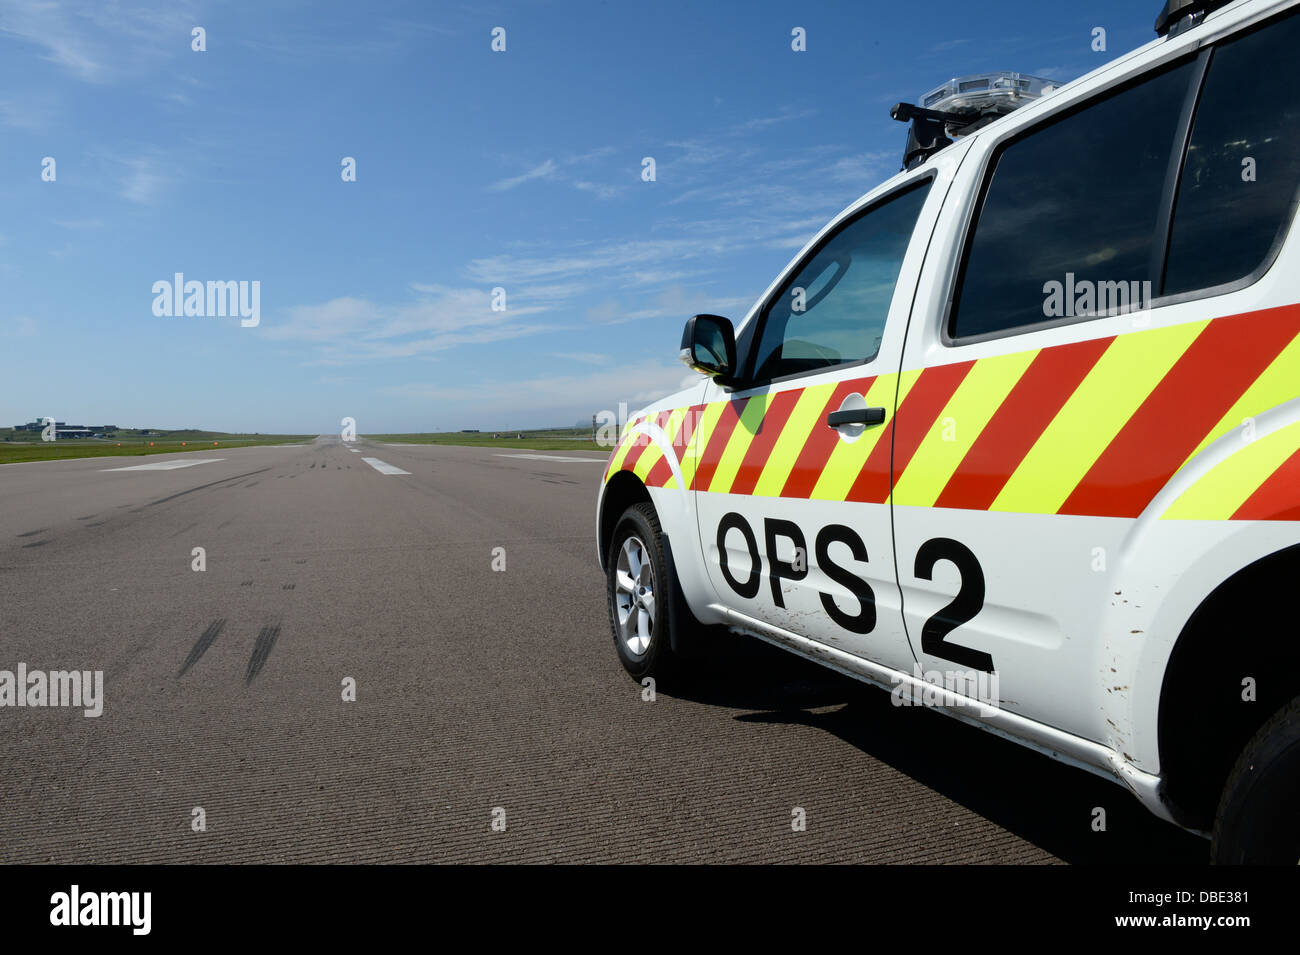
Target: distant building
(64,430)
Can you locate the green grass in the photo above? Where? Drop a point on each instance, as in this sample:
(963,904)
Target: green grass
(166,442)
(554,440)
(26,446)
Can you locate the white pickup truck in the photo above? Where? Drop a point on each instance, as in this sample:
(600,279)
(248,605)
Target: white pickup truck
(1017,434)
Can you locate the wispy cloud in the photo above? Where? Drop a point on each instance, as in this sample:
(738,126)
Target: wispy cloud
(1059,73)
(599,190)
(586,258)
(946,45)
(586,357)
(641,261)
(570,396)
(653,277)
(545,170)
(142,181)
(661,276)
(350,329)
(563,169)
(677,302)
(100,42)
(763,122)
(864,169)
(674,302)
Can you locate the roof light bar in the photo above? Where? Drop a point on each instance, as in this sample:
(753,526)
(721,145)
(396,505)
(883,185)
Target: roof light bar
(963,105)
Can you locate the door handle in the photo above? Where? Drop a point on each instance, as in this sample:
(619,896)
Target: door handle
(837,419)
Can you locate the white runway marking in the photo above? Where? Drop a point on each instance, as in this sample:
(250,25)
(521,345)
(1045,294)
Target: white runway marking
(551,457)
(354,450)
(165,465)
(382,467)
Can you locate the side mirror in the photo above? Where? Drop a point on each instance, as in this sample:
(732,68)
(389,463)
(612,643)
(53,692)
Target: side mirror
(709,347)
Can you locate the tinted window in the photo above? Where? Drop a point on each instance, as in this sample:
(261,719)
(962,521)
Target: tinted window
(833,310)
(1078,197)
(1247,123)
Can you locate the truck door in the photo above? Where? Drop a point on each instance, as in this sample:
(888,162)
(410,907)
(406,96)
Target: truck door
(791,467)
(1075,345)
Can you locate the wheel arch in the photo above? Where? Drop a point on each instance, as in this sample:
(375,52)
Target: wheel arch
(622,491)
(1241,630)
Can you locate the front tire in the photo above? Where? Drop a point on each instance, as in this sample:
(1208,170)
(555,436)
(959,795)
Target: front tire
(1257,823)
(644,599)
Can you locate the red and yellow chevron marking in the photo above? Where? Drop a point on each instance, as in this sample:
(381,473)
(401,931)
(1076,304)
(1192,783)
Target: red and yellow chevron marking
(1096,427)
(1256,483)
(640,454)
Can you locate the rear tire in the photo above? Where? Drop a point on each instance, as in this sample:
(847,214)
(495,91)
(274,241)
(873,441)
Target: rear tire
(644,599)
(1257,822)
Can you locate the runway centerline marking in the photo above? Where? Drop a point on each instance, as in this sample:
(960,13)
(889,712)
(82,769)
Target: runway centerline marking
(165,465)
(551,457)
(382,467)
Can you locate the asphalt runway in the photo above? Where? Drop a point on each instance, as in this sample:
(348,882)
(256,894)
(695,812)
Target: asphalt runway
(481,694)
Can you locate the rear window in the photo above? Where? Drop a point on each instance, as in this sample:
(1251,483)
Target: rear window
(1070,202)
(1240,179)
(1078,202)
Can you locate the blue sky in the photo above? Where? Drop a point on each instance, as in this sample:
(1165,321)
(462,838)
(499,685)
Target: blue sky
(475,169)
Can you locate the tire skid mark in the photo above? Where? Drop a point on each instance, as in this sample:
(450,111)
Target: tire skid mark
(206,639)
(39,530)
(261,650)
(201,487)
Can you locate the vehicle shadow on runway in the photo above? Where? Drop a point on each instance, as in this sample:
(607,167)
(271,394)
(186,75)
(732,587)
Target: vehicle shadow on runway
(1038,799)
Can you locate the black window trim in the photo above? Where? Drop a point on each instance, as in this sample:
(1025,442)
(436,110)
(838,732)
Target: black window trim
(1158,265)
(1288,220)
(1183,131)
(746,382)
